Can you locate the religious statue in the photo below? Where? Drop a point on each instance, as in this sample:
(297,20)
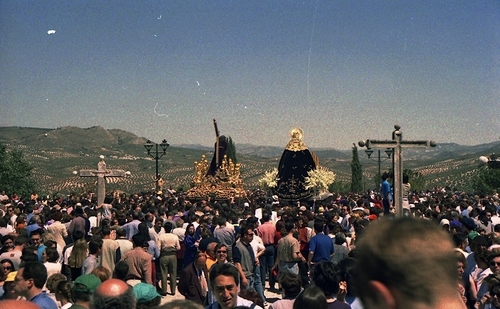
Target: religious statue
(296,161)
(221,179)
(220,148)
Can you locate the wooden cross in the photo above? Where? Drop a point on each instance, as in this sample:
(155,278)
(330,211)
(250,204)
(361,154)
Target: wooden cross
(101,173)
(397,144)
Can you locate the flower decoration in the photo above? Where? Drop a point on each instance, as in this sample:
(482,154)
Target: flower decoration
(319,179)
(270,179)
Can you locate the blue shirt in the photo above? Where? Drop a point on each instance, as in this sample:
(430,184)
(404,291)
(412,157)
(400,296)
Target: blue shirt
(44,301)
(32,227)
(386,190)
(131,228)
(322,247)
(39,251)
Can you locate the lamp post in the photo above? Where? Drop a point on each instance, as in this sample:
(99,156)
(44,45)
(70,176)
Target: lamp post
(369,152)
(156,155)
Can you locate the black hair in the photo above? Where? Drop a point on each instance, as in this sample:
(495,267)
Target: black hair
(226,269)
(326,276)
(35,271)
(168,226)
(52,254)
(94,246)
(121,270)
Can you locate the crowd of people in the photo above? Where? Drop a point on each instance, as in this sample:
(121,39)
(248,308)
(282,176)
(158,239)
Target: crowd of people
(138,250)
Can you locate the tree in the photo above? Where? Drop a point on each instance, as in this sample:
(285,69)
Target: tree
(15,173)
(416,180)
(356,172)
(487,181)
(231,150)
(339,187)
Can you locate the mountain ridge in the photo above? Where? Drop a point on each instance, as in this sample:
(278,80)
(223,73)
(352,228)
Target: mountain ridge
(56,153)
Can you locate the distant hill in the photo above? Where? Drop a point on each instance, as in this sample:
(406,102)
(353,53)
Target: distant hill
(56,153)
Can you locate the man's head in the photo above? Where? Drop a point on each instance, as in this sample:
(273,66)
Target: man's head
(158,224)
(113,293)
(36,237)
(224,282)
(326,276)
(289,225)
(95,246)
(247,235)
(77,234)
(8,242)
(478,244)
(318,225)
(105,231)
(140,241)
(405,263)
(266,216)
(494,262)
(221,252)
(30,278)
(121,270)
(211,249)
(200,259)
(291,284)
(168,226)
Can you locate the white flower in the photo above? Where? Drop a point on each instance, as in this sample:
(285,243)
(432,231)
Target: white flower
(270,179)
(319,179)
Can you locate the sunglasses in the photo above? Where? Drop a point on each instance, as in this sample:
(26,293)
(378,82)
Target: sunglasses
(494,263)
(221,251)
(7,268)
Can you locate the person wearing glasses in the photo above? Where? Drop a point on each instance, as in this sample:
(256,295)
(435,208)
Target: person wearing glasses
(29,282)
(37,242)
(221,254)
(8,266)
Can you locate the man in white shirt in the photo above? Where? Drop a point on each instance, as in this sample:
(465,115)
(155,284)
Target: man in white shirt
(224,282)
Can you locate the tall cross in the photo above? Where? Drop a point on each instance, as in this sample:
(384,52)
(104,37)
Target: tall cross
(102,173)
(397,144)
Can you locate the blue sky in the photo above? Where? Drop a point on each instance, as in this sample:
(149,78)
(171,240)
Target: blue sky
(343,71)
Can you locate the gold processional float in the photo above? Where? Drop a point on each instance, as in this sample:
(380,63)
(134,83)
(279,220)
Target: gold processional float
(221,179)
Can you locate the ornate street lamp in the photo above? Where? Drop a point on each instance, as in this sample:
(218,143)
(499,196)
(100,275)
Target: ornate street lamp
(388,152)
(157,155)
